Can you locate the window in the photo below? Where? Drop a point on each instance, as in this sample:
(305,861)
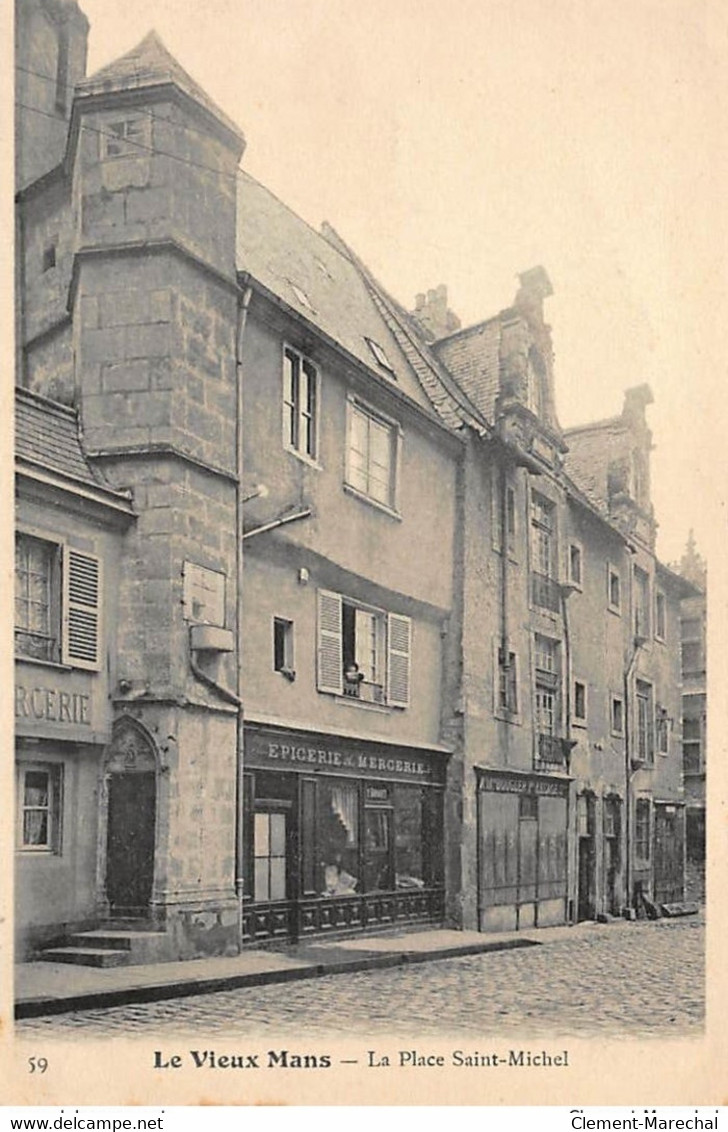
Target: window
(545,590)
(372,455)
(642,830)
(507,691)
(660,616)
(617,715)
(692,746)
(57,603)
(575,565)
(203,595)
(547,702)
(579,702)
(363,653)
(641,603)
(39,808)
(269,840)
(301,296)
(662,730)
(693,658)
(645,724)
(691,629)
(379,354)
(614,589)
(49,256)
(283,647)
(126,137)
(497,515)
(300,407)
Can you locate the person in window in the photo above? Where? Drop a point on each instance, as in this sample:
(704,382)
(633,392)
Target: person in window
(352,679)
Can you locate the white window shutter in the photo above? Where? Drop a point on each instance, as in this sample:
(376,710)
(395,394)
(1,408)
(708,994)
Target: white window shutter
(330,643)
(399,648)
(81,610)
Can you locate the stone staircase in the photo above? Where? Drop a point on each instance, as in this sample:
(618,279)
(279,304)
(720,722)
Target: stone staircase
(114,944)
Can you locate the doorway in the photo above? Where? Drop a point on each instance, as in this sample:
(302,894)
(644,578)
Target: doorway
(586,901)
(130,841)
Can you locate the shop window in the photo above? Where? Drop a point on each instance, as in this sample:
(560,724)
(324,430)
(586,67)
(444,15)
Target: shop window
(617,715)
(372,454)
(363,653)
(39,808)
(269,839)
(660,616)
(378,871)
(642,830)
(126,137)
(57,603)
(409,862)
(300,404)
(283,647)
(579,702)
(614,590)
(338,838)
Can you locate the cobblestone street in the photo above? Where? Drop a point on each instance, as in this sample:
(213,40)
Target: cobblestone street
(637,979)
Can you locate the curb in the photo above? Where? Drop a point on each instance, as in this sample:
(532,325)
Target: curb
(187,988)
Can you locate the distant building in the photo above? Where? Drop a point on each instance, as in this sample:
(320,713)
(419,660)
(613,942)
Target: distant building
(694,713)
(356,634)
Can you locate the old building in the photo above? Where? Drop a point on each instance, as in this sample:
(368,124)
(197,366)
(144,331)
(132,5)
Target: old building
(385,645)
(694,714)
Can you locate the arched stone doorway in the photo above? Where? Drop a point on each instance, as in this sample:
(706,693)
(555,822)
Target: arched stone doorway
(131,791)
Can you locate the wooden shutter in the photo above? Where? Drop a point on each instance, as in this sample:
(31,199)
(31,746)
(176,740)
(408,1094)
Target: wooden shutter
(81,609)
(399,645)
(330,650)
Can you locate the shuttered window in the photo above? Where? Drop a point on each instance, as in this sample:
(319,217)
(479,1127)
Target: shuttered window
(363,653)
(399,642)
(81,618)
(330,665)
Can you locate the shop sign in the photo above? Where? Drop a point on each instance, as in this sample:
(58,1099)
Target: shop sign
(339,756)
(52,705)
(515,784)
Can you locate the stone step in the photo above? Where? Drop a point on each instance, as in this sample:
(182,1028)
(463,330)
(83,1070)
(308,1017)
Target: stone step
(116,940)
(87,956)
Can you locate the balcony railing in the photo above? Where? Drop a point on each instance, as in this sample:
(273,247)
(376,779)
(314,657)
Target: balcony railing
(552,753)
(545,592)
(364,691)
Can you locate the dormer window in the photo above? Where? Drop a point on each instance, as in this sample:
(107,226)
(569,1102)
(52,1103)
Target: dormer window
(379,354)
(301,296)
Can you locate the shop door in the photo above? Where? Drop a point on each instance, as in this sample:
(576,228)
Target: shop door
(130,841)
(612,856)
(586,901)
(270,838)
(669,880)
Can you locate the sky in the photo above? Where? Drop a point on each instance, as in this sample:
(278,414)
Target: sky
(464,142)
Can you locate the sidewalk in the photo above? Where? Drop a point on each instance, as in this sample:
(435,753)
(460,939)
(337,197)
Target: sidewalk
(55,988)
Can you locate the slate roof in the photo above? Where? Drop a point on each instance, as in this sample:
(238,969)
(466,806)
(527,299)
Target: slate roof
(151,64)
(46,435)
(588,456)
(316,276)
(472,357)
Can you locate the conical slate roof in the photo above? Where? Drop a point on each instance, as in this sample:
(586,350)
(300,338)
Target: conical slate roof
(150,64)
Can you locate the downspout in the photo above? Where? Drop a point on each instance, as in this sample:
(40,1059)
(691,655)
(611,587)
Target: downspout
(627,776)
(570,809)
(239,764)
(504,591)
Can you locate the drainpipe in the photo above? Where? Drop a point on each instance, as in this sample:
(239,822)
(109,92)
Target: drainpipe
(570,808)
(278,523)
(239,501)
(627,775)
(504,588)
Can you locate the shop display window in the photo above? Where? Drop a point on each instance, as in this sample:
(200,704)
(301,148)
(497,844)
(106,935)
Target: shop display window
(338,838)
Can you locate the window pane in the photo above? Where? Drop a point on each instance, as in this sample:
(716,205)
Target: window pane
(408,851)
(35,827)
(338,838)
(278,878)
(277,835)
(262,886)
(262,837)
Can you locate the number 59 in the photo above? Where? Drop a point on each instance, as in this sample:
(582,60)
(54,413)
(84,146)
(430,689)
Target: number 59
(37,1064)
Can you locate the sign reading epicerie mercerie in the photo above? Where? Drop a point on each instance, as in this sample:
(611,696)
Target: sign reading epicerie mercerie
(52,705)
(323,754)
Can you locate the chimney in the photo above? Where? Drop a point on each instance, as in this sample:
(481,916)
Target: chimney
(432,314)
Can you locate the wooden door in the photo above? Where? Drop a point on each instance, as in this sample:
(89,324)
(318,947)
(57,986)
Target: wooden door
(130,841)
(669,880)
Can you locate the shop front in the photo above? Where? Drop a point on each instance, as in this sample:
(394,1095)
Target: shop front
(340,835)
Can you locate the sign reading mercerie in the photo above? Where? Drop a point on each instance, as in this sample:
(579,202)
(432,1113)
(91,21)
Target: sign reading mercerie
(291,752)
(52,705)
